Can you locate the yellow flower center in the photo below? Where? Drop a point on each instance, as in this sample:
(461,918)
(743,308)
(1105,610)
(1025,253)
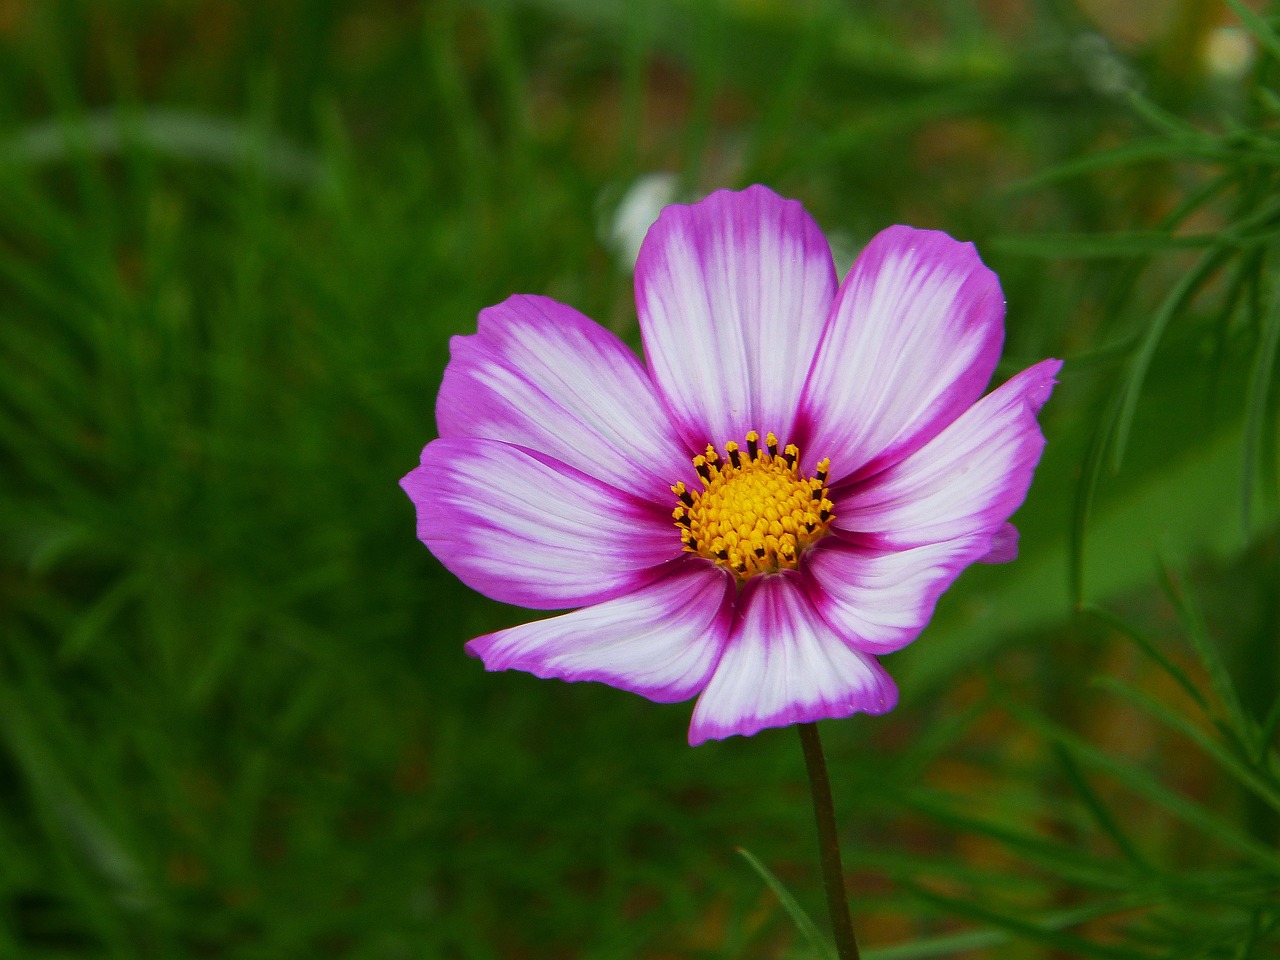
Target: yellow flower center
(756,512)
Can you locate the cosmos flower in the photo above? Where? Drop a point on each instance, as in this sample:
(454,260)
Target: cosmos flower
(775,498)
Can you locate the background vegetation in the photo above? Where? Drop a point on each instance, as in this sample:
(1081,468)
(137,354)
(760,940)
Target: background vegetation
(235,715)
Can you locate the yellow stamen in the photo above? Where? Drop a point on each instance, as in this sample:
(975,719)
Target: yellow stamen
(756,513)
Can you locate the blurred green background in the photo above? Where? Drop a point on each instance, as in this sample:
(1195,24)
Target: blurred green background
(236,719)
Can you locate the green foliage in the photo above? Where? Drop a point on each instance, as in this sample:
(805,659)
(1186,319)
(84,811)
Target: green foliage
(235,716)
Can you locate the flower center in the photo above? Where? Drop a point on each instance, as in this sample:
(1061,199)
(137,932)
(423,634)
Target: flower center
(755,513)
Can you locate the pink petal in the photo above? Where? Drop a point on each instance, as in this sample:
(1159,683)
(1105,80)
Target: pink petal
(914,337)
(733,293)
(880,600)
(968,480)
(783,665)
(662,641)
(1004,546)
(540,374)
(525,529)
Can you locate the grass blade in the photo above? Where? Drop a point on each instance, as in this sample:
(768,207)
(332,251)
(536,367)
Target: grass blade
(1101,815)
(808,929)
(1069,944)
(1131,388)
(1267,791)
(1256,412)
(1093,245)
(1219,678)
(179,134)
(951,944)
(1144,784)
(1144,643)
(1260,29)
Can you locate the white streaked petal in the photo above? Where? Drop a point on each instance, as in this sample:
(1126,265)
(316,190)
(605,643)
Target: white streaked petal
(914,337)
(733,293)
(967,480)
(661,641)
(541,375)
(528,530)
(782,665)
(880,600)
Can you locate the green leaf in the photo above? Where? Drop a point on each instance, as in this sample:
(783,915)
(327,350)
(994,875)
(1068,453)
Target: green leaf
(1144,784)
(1163,121)
(1098,809)
(1258,27)
(1192,618)
(1140,151)
(1131,388)
(1255,780)
(808,929)
(1092,245)
(171,133)
(1256,420)
(1150,649)
(1083,497)
(1075,865)
(1026,929)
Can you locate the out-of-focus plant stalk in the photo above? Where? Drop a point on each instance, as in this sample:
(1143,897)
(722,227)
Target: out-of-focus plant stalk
(828,842)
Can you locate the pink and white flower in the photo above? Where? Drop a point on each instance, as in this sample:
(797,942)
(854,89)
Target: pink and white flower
(779,495)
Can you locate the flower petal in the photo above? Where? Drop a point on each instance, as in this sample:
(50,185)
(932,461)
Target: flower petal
(662,641)
(880,600)
(540,374)
(1004,545)
(913,339)
(733,293)
(783,665)
(968,480)
(525,529)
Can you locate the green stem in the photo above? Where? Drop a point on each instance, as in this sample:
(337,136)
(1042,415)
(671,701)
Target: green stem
(828,842)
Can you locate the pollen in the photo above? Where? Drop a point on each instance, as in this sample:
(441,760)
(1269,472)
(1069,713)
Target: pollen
(755,512)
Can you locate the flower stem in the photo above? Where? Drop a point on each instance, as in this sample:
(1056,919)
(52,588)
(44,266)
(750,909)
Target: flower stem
(828,843)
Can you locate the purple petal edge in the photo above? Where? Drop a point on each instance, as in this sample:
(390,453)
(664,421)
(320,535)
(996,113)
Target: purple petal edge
(1004,545)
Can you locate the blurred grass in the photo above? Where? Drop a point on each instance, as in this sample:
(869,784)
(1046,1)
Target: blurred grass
(235,717)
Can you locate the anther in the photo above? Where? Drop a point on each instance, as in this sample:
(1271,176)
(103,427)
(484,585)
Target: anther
(750,514)
(683,493)
(821,473)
